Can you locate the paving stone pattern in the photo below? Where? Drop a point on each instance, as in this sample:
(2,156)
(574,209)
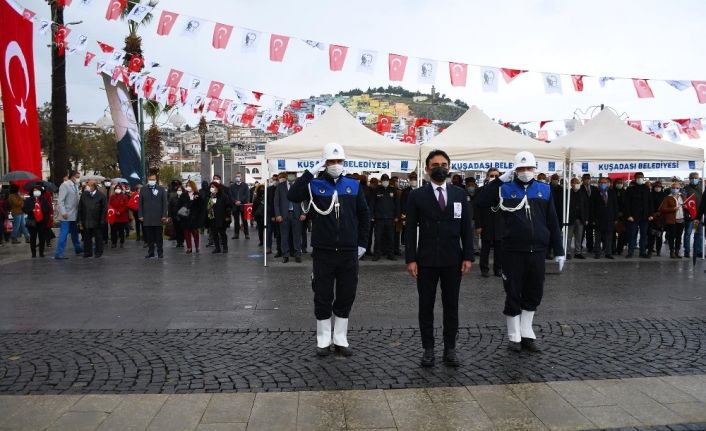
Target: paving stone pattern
(222,360)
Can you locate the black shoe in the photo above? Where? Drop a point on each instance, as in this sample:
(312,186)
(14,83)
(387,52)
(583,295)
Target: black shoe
(225,249)
(428,358)
(529,345)
(304,251)
(247,236)
(376,258)
(579,256)
(514,347)
(391,257)
(217,250)
(277,255)
(645,256)
(498,273)
(60,257)
(298,259)
(88,255)
(485,274)
(149,256)
(342,351)
(323,351)
(235,237)
(450,358)
(610,256)
(160,256)
(285,259)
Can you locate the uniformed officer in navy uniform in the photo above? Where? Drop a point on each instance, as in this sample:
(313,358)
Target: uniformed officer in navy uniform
(444,253)
(531,226)
(386,212)
(339,235)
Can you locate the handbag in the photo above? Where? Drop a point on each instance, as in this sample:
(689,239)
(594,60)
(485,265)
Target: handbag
(183,212)
(8,226)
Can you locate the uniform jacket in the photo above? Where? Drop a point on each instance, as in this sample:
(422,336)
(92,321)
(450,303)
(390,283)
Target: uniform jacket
(68,200)
(153,207)
(386,203)
(281,202)
(638,202)
(350,230)
(271,201)
(604,214)
(92,210)
(490,222)
(118,202)
(445,238)
(532,230)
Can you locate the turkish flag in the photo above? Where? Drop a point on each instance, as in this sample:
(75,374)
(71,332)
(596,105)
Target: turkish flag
(136,63)
(166,22)
(397,63)
(115,8)
(578,82)
(288,118)
(214,104)
(172,96)
(683,123)
(249,115)
(643,88)
(28,14)
(111,215)
(64,3)
(700,87)
(60,39)
(215,89)
(87,59)
(691,133)
(174,77)
(309,116)
(134,202)
(148,86)
(690,205)
(296,104)
(278,46)
(336,57)
(419,122)
(384,124)
(221,35)
(18,92)
(247,211)
(183,93)
(458,73)
(510,74)
(542,123)
(257,95)
(410,139)
(636,124)
(297,128)
(273,127)
(411,130)
(105,47)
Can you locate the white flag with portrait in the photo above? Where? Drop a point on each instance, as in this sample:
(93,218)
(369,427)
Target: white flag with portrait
(139,12)
(366,61)
(44,26)
(552,83)
(489,79)
(192,27)
(250,40)
(426,71)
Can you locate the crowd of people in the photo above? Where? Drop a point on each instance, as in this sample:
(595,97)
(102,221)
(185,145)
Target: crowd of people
(605,217)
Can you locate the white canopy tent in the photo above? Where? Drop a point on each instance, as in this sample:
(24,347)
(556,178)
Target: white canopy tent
(365,149)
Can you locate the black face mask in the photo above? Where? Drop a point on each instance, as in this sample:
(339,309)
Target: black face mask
(439,173)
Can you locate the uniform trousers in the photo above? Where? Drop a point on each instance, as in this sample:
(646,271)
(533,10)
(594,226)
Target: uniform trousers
(523,279)
(384,237)
(334,281)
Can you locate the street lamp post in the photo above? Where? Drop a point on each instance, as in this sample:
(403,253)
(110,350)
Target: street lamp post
(178,120)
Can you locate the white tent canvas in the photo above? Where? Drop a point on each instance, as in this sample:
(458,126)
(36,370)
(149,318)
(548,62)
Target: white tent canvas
(474,136)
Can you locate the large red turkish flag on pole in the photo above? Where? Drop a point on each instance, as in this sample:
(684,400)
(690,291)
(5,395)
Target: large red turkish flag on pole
(18,91)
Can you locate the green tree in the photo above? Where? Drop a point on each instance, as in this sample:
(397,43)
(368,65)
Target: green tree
(169,173)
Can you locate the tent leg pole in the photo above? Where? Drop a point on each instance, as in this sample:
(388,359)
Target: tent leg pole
(265,219)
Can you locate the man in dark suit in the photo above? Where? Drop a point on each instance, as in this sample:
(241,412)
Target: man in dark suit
(92,210)
(290,217)
(638,214)
(240,195)
(604,215)
(588,190)
(152,211)
(489,225)
(444,252)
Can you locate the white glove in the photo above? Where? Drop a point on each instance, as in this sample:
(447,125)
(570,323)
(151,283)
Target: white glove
(317,167)
(507,176)
(560,260)
(361,252)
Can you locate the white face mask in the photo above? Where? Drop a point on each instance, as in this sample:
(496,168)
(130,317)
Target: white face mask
(658,189)
(118,191)
(36,193)
(413,183)
(152,183)
(576,187)
(525,176)
(619,186)
(179,192)
(76,180)
(291,178)
(640,181)
(385,183)
(107,183)
(237,180)
(214,190)
(188,189)
(334,170)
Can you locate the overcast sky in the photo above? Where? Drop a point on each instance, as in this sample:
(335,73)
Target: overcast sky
(638,38)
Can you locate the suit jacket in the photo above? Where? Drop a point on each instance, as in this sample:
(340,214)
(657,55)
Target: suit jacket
(68,200)
(240,192)
(93,210)
(604,213)
(281,202)
(445,239)
(153,207)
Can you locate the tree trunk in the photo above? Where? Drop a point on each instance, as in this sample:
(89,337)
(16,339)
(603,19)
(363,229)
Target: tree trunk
(59,157)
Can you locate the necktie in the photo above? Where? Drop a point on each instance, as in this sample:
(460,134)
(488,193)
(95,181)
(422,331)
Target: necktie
(604,194)
(442,201)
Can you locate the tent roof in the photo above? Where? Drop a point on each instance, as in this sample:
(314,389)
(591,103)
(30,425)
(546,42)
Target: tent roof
(337,125)
(607,138)
(474,136)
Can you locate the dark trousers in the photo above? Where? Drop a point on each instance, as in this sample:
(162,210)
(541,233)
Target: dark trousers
(449,277)
(384,237)
(305,230)
(117,230)
(633,227)
(37,233)
(334,281)
(604,241)
(396,246)
(291,229)
(153,237)
(674,235)
(588,232)
(138,225)
(485,246)
(260,220)
(220,239)
(655,239)
(238,216)
(619,241)
(91,235)
(105,233)
(523,279)
(371,233)
(179,233)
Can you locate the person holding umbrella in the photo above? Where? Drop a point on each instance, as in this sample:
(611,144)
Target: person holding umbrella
(37,209)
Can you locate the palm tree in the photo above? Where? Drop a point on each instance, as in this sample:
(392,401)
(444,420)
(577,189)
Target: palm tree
(203,128)
(58,157)
(153,145)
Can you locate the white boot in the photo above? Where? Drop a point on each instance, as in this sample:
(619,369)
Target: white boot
(526,324)
(323,333)
(513,328)
(340,330)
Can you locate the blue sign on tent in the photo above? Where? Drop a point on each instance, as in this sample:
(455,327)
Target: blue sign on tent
(281,165)
(552,166)
(584,167)
(692,164)
(404,165)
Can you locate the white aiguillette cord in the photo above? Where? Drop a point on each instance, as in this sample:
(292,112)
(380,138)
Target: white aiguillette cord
(501,206)
(334,204)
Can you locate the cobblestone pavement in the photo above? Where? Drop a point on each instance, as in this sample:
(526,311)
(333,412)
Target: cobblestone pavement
(213,360)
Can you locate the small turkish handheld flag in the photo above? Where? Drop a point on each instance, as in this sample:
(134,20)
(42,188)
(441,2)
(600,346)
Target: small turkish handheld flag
(458,72)
(278,46)
(37,211)
(214,90)
(115,8)
(88,58)
(221,35)
(111,215)
(136,63)
(134,202)
(700,87)
(105,47)
(397,64)
(643,88)
(248,211)
(690,205)
(174,77)
(336,57)
(166,22)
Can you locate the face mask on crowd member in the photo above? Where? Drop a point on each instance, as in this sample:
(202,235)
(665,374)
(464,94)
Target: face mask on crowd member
(603,185)
(216,179)
(618,185)
(188,189)
(118,190)
(554,180)
(106,184)
(291,177)
(214,190)
(36,193)
(437,166)
(413,183)
(575,185)
(675,190)
(335,169)
(657,187)
(525,174)
(152,182)
(542,177)
(238,179)
(491,175)
(179,192)
(639,179)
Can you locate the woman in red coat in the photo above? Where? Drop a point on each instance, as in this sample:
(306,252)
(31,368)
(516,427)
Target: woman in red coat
(118,215)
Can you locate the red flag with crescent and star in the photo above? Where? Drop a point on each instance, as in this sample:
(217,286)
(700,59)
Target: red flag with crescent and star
(458,72)
(19,96)
(174,77)
(221,35)
(215,89)
(336,57)
(397,64)
(136,63)
(384,124)
(690,205)
(578,82)
(166,22)
(700,87)
(115,8)
(278,46)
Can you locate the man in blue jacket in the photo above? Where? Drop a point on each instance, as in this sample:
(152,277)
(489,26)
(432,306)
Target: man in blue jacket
(531,226)
(339,235)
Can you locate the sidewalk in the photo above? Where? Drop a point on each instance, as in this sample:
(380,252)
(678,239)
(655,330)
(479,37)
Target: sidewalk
(573,405)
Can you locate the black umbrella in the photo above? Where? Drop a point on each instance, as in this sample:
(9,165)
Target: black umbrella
(46,185)
(19,176)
